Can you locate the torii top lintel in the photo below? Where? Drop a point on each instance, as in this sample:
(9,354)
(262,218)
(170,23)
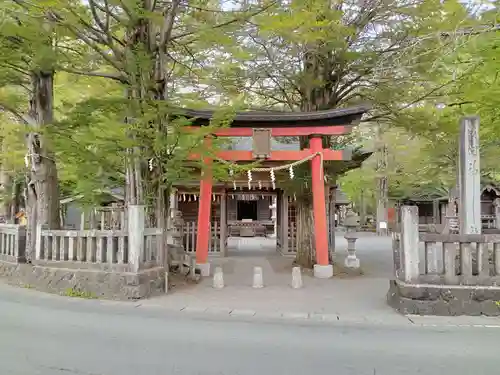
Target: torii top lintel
(264,125)
(329,122)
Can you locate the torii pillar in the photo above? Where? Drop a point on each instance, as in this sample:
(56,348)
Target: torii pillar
(322,268)
(204,233)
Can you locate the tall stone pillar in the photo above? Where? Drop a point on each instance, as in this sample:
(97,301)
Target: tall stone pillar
(469,176)
(136,221)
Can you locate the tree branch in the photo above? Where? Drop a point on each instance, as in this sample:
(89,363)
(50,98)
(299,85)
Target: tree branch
(227,23)
(117,77)
(25,119)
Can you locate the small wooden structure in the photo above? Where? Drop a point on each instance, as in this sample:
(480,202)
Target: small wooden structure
(432,209)
(109,215)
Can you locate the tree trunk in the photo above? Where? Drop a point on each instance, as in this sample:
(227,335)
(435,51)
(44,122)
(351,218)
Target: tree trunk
(5,189)
(146,54)
(42,182)
(382,189)
(306,253)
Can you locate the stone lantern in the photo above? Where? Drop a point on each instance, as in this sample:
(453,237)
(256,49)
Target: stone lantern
(351,224)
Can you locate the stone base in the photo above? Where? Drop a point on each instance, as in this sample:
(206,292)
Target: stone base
(204,269)
(428,299)
(90,283)
(351,262)
(323,272)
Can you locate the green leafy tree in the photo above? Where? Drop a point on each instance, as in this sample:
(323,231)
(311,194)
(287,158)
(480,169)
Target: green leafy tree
(309,55)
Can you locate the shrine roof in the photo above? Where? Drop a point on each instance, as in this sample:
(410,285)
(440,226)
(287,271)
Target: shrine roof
(338,116)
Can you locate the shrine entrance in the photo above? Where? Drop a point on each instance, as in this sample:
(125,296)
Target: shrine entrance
(247,210)
(226,210)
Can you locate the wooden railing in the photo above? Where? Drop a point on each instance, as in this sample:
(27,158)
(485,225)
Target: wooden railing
(107,250)
(12,242)
(292,238)
(189,237)
(445,259)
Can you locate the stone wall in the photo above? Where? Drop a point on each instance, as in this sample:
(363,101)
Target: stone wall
(125,264)
(92,283)
(444,274)
(443,300)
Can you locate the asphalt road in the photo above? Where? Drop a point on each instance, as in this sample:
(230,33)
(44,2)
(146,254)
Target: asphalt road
(49,335)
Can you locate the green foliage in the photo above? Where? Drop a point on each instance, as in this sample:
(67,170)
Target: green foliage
(116,89)
(77,293)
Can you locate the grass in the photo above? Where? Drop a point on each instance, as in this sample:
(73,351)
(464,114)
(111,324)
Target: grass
(76,293)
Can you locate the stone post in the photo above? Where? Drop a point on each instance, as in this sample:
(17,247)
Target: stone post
(469,176)
(136,220)
(410,243)
(351,224)
(172,205)
(496,206)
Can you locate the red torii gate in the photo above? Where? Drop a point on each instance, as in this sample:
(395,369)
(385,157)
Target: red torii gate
(262,126)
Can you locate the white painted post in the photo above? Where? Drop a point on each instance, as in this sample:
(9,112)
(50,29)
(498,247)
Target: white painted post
(258,279)
(296,278)
(218,282)
(410,242)
(38,243)
(469,176)
(136,220)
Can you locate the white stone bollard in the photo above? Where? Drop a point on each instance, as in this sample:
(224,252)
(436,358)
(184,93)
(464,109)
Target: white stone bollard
(258,280)
(296,278)
(218,282)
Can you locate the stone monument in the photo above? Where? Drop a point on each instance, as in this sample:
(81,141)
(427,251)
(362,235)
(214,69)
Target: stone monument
(469,180)
(351,223)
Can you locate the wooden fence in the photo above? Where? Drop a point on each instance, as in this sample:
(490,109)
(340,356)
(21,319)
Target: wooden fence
(96,249)
(292,238)
(189,237)
(444,259)
(12,242)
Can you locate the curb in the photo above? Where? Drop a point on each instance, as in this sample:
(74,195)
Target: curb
(332,319)
(391,319)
